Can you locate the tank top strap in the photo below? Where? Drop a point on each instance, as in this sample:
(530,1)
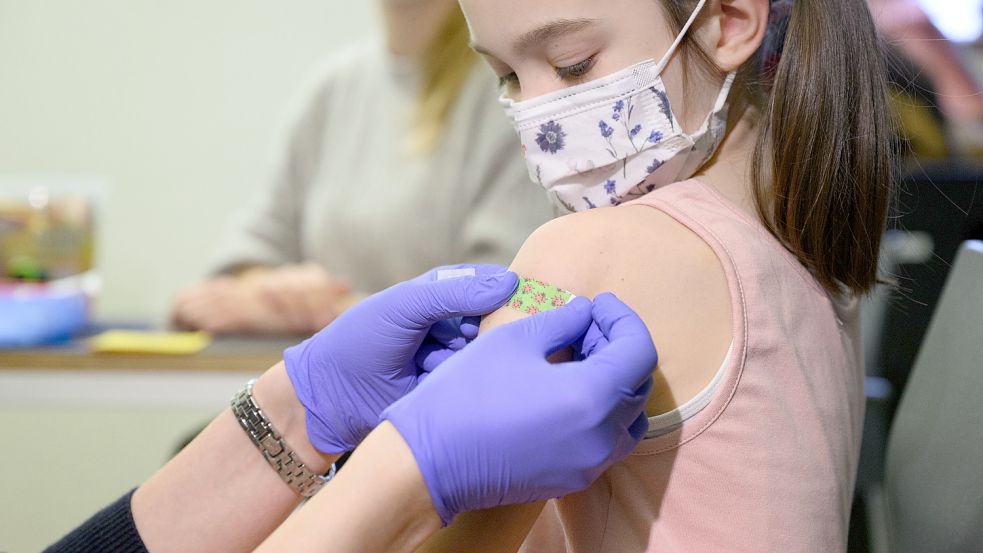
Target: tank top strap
(716,219)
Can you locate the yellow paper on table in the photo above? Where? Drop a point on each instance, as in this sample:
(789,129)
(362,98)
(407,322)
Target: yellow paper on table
(164,343)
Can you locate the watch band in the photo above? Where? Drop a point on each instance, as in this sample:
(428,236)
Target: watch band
(274,448)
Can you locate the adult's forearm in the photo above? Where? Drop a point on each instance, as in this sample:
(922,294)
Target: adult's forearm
(379,503)
(219,493)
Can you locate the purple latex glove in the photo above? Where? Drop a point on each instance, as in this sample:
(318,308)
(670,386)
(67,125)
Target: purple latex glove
(498,424)
(347,373)
(444,340)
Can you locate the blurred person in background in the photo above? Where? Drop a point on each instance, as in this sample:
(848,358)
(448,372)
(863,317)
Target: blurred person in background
(396,158)
(936,95)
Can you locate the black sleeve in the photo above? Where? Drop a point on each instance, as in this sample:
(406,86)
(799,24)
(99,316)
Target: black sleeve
(111,529)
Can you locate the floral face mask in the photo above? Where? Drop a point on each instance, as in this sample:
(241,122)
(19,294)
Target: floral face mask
(610,140)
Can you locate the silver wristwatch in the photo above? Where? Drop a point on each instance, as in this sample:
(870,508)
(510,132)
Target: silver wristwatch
(271,444)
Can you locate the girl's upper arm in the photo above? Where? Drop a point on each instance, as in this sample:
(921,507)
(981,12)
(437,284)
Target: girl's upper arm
(664,271)
(502,529)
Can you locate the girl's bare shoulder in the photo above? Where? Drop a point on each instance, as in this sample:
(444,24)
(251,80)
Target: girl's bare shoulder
(628,247)
(658,266)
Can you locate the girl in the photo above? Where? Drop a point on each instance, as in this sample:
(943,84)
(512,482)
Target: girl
(742,148)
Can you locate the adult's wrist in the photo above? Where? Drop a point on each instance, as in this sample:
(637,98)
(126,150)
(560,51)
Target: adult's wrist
(275,394)
(378,503)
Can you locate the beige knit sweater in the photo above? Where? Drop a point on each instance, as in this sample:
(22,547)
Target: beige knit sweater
(345,192)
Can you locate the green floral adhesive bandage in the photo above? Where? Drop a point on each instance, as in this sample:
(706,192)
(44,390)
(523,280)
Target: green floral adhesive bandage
(533,296)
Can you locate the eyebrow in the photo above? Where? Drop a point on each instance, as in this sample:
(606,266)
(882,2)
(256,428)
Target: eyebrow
(545,33)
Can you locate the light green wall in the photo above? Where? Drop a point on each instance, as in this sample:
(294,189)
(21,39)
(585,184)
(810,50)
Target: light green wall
(174,101)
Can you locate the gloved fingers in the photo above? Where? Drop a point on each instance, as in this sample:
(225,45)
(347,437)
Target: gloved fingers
(448,333)
(626,408)
(630,423)
(629,357)
(418,305)
(629,438)
(551,331)
(639,428)
(430,355)
(615,319)
(470,326)
(645,389)
(593,341)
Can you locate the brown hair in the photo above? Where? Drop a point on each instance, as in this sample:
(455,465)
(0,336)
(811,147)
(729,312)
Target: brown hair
(824,143)
(446,64)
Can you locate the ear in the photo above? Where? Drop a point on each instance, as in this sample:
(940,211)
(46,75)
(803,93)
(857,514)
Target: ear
(739,27)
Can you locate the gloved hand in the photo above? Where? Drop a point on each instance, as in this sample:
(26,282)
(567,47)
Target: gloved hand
(498,424)
(444,340)
(347,373)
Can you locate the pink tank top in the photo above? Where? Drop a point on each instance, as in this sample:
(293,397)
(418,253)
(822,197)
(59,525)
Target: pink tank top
(769,464)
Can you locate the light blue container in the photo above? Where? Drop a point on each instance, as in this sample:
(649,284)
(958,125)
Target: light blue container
(28,320)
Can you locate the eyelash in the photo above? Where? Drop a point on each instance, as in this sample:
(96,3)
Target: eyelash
(575,71)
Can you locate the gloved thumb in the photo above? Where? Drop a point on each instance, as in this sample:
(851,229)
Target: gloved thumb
(551,331)
(629,356)
(424,303)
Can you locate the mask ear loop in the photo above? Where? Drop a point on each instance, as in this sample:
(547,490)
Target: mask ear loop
(660,67)
(718,106)
(728,81)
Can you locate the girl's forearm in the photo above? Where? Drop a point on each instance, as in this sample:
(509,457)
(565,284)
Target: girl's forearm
(379,503)
(219,493)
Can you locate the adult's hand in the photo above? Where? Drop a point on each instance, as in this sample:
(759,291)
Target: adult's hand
(298,299)
(350,371)
(498,424)
(444,340)
(217,305)
(303,298)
